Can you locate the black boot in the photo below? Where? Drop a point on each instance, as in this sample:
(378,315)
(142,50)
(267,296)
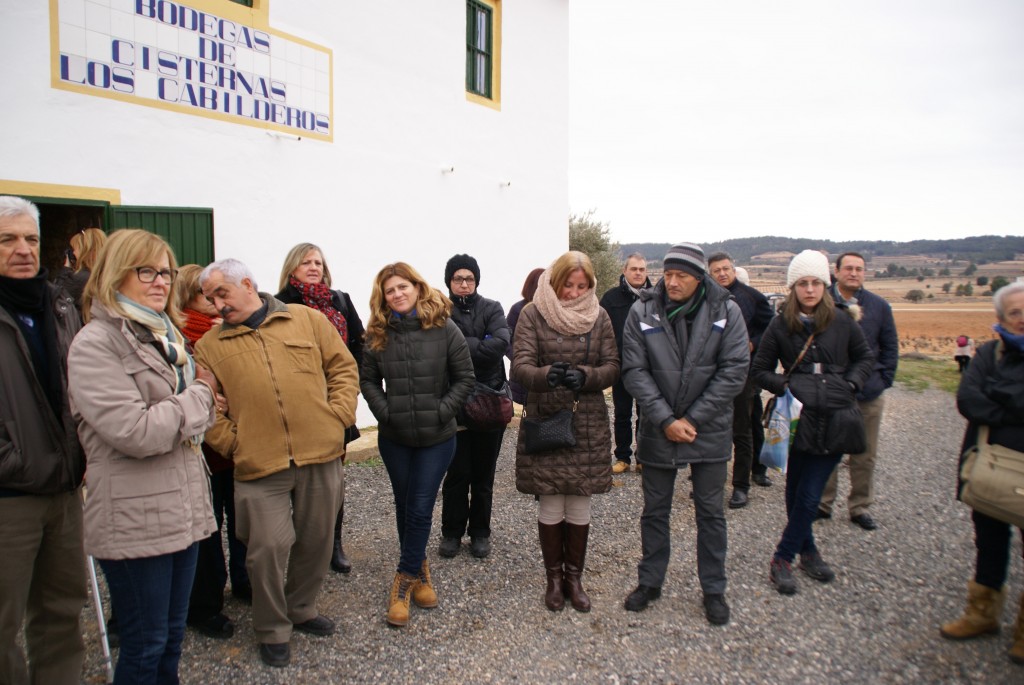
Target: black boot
(339,562)
(551,547)
(575,554)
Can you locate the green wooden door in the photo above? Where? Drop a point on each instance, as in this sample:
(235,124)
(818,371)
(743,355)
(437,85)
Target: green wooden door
(189,230)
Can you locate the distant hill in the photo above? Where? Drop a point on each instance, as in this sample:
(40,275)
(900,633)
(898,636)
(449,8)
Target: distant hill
(978,249)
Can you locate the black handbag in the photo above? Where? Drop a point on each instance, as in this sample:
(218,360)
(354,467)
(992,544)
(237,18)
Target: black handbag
(487,408)
(544,434)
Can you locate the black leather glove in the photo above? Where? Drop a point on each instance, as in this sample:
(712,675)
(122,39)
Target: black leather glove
(556,374)
(574,379)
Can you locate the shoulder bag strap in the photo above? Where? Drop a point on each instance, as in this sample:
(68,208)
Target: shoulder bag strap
(800,357)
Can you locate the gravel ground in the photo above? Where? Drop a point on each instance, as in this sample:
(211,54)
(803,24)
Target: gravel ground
(876,623)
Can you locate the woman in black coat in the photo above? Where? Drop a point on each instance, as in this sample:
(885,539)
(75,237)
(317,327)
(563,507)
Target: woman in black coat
(305,279)
(826,361)
(991,394)
(468,486)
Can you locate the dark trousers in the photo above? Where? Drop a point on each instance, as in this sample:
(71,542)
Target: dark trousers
(150,597)
(415,474)
(468,488)
(992,540)
(745,459)
(712,541)
(207,598)
(757,430)
(806,476)
(624,423)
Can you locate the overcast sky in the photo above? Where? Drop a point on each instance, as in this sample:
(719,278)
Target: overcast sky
(881,119)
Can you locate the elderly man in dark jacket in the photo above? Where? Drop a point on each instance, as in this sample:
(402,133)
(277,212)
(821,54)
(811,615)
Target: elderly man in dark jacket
(617,301)
(876,321)
(685,357)
(42,577)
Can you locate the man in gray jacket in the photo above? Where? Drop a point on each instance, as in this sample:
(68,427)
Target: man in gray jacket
(685,357)
(42,576)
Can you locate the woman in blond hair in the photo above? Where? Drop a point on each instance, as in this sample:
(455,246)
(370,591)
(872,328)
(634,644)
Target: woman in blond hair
(564,352)
(416,374)
(78,262)
(142,406)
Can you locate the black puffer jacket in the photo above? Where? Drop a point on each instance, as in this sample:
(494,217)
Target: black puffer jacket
(428,374)
(483,324)
(617,301)
(830,422)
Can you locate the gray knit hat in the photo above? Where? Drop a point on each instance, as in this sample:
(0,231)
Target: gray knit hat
(685,257)
(808,263)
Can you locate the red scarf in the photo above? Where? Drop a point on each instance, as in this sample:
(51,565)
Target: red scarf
(319,297)
(196,323)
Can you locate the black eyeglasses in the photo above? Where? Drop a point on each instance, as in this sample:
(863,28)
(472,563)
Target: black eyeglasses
(148,274)
(468,280)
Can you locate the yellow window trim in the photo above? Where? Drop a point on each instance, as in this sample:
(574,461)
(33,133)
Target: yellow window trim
(494,102)
(10,187)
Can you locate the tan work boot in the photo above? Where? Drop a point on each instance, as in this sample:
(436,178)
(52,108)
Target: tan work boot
(423,592)
(981,616)
(401,593)
(1017,651)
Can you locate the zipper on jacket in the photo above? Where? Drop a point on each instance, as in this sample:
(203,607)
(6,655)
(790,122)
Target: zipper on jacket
(277,394)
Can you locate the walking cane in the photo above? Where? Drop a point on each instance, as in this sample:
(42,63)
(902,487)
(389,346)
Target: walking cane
(100,620)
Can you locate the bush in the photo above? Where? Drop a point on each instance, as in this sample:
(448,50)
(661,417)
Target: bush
(914,296)
(982,280)
(593,238)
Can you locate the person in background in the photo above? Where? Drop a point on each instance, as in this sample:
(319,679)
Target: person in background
(306,279)
(757,313)
(876,321)
(617,301)
(79,260)
(685,357)
(206,603)
(964,352)
(293,386)
(417,374)
(826,362)
(142,406)
(42,577)
(468,487)
(991,395)
(565,357)
(529,288)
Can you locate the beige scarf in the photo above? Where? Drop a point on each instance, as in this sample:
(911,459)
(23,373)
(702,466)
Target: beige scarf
(568,317)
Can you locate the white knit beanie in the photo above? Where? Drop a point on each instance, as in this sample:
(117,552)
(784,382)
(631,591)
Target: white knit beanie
(808,263)
(742,276)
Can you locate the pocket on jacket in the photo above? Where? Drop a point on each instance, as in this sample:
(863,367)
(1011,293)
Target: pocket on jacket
(302,356)
(146,506)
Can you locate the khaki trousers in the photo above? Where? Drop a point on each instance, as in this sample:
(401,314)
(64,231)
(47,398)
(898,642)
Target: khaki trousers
(862,466)
(42,582)
(286,520)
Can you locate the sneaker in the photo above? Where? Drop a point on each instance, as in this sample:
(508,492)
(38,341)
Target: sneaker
(620,466)
(781,574)
(716,610)
(638,599)
(480,547)
(813,565)
(449,547)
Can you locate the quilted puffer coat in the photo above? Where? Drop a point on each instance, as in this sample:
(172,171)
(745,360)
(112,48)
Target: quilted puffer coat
(586,468)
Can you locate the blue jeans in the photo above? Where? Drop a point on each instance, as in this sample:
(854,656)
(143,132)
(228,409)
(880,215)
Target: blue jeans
(416,474)
(150,597)
(805,480)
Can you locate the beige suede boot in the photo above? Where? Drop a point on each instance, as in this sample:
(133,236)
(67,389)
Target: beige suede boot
(423,593)
(401,593)
(981,616)
(1017,651)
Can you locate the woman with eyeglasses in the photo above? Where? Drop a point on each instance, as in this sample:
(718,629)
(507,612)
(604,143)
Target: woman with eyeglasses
(468,488)
(142,406)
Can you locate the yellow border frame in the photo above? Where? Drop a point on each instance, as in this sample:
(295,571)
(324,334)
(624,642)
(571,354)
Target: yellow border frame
(494,102)
(257,16)
(9,187)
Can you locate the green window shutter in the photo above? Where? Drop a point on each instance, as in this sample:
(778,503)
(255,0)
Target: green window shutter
(188,230)
(479,30)
(247,3)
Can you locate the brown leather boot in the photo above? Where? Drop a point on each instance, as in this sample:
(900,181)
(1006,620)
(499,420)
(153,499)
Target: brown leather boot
(423,593)
(401,593)
(1017,651)
(552,548)
(981,615)
(575,554)
(339,562)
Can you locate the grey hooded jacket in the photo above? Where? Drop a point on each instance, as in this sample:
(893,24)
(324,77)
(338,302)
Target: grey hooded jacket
(674,374)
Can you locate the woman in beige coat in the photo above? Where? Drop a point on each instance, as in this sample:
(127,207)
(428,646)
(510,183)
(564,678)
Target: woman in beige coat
(564,351)
(142,406)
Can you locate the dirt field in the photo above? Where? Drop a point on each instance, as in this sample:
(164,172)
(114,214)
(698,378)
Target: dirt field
(932,330)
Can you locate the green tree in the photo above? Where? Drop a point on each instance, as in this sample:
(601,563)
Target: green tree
(945,272)
(982,280)
(971,268)
(998,282)
(946,287)
(593,238)
(914,296)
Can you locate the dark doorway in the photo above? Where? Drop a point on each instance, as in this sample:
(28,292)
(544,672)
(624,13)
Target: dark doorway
(58,222)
